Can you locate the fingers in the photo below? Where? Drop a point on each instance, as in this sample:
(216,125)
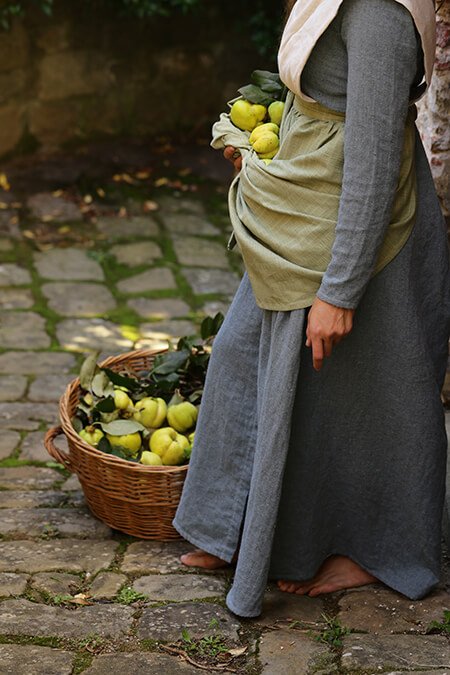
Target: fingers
(317,353)
(233,156)
(229,152)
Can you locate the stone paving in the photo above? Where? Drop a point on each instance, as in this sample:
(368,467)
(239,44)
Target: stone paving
(76,596)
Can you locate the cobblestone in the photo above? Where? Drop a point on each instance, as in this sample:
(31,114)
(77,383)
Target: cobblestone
(9,440)
(35,363)
(153,557)
(152,280)
(187,223)
(122,228)
(286,652)
(200,252)
(86,334)
(139,664)
(211,281)
(159,309)
(22,617)
(179,587)
(12,584)
(12,387)
(47,207)
(377,653)
(106,585)
(166,623)
(23,330)
(48,387)
(71,299)
(13,275)
(25,499)
(138,253)
(26,416)
(383,611)
(56,583)
(43,522)
(33,660)
(16,298)
(67,264)
(27,478)
(72,555)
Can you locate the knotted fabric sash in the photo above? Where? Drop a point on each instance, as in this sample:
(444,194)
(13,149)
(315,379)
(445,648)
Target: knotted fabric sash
(284,214)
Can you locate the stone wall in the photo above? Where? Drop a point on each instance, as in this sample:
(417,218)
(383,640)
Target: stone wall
(435,111)
(85,73)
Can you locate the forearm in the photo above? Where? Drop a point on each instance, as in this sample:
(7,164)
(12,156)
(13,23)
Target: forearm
(382,63)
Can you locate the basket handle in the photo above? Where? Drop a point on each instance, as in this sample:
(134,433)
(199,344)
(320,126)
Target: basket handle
(55,452)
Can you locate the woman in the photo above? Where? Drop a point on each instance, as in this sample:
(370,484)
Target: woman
(322,459)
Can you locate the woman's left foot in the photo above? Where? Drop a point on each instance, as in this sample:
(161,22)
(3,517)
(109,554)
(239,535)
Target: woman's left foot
(336,574)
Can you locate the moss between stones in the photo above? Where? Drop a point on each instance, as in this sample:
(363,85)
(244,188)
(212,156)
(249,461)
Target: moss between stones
(81,662)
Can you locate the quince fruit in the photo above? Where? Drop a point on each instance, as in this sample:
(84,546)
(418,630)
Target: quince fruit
(246,115)
(91,435)
(266,143)
(121,400)
(268,156)
(150,459)
(169,445)
(182,416)
(130,443)
(275,111)
(151,412)
(262,129)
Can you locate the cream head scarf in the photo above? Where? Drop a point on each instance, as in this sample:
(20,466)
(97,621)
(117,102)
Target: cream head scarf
(310,18)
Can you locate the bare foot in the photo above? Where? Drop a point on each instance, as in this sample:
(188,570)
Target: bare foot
(199,558)
(335,574)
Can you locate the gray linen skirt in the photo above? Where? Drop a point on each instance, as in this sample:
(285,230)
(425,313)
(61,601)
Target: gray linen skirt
(293,465)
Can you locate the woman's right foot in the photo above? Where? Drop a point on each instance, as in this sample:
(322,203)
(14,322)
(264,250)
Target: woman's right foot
(199,558)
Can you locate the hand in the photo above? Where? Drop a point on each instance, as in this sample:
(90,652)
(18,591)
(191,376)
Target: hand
(229,153)
(327,325)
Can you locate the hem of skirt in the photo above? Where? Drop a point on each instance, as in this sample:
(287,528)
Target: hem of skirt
(205,545)
(243,615)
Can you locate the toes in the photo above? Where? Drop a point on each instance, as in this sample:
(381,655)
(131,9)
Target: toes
(302,589)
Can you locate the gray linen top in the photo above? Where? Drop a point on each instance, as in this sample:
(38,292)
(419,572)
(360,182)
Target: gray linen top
(366,64)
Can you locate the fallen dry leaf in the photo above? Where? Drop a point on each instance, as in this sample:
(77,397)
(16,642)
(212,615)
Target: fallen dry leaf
(4,184)
(238,651)
(149,205)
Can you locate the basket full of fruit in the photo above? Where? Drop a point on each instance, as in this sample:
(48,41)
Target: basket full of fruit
(130,425)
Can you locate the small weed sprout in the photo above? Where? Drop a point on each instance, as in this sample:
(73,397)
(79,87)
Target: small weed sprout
(333,633)
(441,626)
(209,645)
(127,595)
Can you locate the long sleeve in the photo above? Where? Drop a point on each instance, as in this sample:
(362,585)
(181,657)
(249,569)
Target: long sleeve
(382,50)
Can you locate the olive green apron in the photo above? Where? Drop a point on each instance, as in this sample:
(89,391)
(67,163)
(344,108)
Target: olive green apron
(284,214)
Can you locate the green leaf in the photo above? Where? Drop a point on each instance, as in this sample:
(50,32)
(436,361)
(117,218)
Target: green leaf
(100,384)
(104,445)
(88,370)
(121,427)
(268,82)
(77,424)
(210,325)
(106,405)
(187,343)
(176,398)
(121,380)
(170,362)
(256,95)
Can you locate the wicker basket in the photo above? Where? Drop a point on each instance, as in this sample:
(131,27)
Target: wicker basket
(136,499)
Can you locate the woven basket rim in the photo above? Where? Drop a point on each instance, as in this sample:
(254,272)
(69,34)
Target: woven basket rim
(70,432)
